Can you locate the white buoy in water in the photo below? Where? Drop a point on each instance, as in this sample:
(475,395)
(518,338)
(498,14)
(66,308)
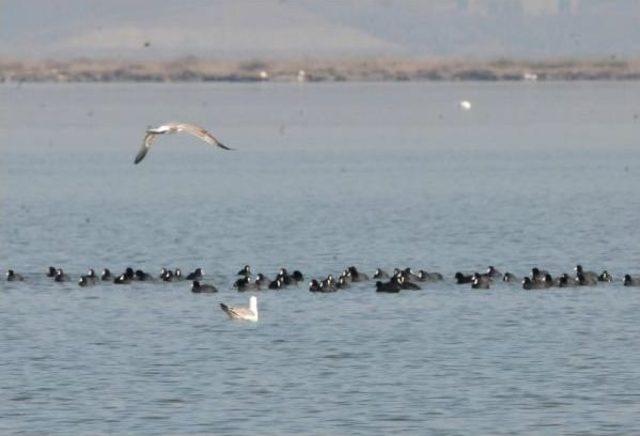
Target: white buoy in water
(465,105)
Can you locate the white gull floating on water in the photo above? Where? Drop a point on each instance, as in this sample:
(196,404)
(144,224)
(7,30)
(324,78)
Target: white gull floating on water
(191,129)
(246,313)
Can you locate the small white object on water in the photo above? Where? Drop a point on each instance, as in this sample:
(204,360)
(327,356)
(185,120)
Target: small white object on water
(530,76)
(245,313)
(264,75)
(465,105)
(302,76)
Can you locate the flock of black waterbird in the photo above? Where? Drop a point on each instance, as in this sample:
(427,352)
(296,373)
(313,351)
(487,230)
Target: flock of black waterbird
(394,282)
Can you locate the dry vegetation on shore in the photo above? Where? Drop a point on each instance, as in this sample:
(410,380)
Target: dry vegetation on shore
(202,70)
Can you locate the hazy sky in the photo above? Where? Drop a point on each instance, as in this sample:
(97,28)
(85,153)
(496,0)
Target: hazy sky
(283,28)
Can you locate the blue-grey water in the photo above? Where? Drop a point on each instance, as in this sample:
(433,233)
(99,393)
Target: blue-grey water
(323,176)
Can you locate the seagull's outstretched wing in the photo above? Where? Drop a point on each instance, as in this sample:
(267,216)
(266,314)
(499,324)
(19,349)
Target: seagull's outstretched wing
(192,129)
(201,133)
(146,145)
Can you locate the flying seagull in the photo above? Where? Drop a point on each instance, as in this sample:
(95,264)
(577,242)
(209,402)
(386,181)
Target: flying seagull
(247,313)
(192,129)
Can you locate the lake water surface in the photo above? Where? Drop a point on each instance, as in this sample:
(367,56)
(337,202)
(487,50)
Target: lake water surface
(323,176)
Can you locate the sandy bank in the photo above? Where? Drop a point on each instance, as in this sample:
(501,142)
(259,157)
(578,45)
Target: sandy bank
(202,70)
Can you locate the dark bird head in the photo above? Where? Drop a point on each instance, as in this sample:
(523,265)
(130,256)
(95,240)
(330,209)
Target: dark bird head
(297,276)
(129,273)
(51,272)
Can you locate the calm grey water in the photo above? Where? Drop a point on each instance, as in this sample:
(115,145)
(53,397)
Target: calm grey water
(324,176)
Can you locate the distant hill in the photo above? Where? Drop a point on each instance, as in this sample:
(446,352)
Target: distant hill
(313,28)
(176,28)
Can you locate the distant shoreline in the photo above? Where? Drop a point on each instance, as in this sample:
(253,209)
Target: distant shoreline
(326,70)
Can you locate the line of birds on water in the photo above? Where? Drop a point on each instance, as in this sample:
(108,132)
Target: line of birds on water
(399,279)
(408,279)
